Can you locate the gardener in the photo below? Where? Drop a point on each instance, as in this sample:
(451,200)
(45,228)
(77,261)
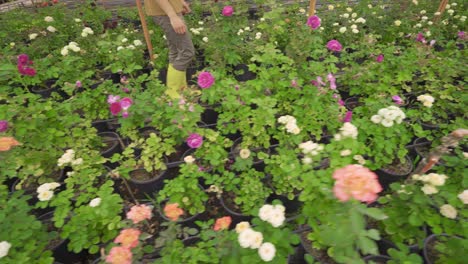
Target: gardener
(168,14)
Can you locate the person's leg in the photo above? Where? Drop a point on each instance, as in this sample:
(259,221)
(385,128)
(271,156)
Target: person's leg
(181,53)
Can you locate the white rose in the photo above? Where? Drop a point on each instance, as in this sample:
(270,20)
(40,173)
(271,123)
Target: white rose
(43,187)
(331,7)
(200,22)
(4,248)
(265,212)
(137,42)
(387,122)
(397,23)
(418,25)
(124,40)
(353,26)
(429,189)
(307,160)
(345,15)
(267,251)
(33,36)
(376,119)
(77,20)
(95,202)
(355,31)
(78,161)
(422,12)
(353,15)
(277,218)
(349,9)
(64,52)
(189,159)
(262,19)
(51,29)
(464,196)
(424,18)
(295,130)
(131,47)
(450,11)
(360,20)
(12,44)
(120,48)
(240,227)
(302,10)
(244,153)
(257,239)
(448,211)
(430,23)
(290,127)
(247,28)
(48,19)
(84,34)
(45,195)
(245,237)
(437,179)
(205,39)
(345,152)
(342,29)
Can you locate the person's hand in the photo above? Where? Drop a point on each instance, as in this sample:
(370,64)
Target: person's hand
(178,25)
(186,8)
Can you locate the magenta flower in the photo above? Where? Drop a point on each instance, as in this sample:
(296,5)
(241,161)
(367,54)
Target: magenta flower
(125,114)
(313,22)
(420,38)
(461,35)
(125,90)
(115,108)
(332,81)
(293,83)
(113,99)
(78,84)
(205,80)
(3,125)
(125,103)
(348,116)
(319,82)
(397,99)
(334,45)
(228,10)
(23,68)
(23,59)
(380,58)
(194,140)
(341,102)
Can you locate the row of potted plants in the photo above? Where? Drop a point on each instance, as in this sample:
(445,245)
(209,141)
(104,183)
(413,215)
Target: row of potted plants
(303,123)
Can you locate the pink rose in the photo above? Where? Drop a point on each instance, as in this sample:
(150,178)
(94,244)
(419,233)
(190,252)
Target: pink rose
(125,103)
(313,22)
(334,45)
(172,211)
(461,35)
(3,125)
(348,116)
(228,10)
(222,223)
(119,255)
(194,140)
(397,99)
(115,108)
(356,181)
(332,81)
(113,99)
(205,80)
(23,59)
(78,84)
(128,237)
(380,58)
(139,213)
(420,38)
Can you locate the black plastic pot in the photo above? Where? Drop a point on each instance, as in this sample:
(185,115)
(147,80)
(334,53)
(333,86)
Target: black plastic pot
(246,74)
(376,259)
(209,116)
(236,216)
(351,103)
(114,145)
(143,188)
(60,251)
(108,125)
(456,257)
(387,176)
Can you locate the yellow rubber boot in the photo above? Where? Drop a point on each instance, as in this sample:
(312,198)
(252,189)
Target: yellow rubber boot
(176,80)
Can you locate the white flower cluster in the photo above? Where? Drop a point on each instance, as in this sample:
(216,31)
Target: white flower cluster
(33,36)
(48,19)
(136,43)
(290,123)
(4,248)
(71,46)
(258,35)
(310,148)
(431,181)
(448,211)
(348,130)
(196,31)
(426,99)
(463,196)
(87,31)
(95,202)
(51,29)
(69,157)
(46,191)
(388,116)
(273,214)
(249,238)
